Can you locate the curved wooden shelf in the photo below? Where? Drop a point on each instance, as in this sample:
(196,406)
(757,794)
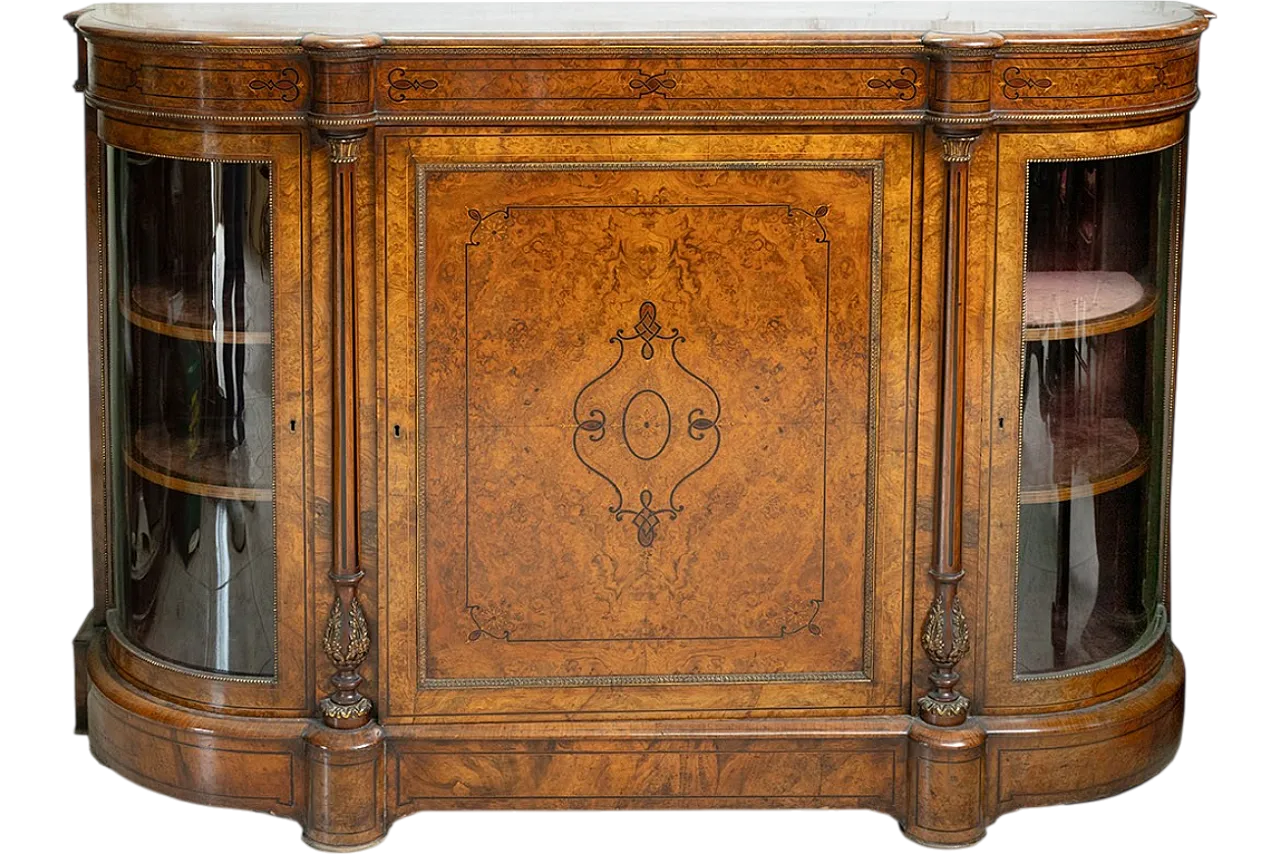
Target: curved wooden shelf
(151,307)
(1111,451)
(1080,304)
(208,471)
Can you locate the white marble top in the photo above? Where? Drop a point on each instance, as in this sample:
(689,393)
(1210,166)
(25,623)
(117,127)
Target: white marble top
(578,20)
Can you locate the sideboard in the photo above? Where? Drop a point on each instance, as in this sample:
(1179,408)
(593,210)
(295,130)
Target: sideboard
(660,405)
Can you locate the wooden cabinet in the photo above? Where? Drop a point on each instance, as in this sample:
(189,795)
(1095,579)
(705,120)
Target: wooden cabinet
(508,411)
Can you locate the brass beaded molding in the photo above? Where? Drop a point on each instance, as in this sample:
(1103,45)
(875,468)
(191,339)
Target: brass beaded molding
(108,106)
(906,117)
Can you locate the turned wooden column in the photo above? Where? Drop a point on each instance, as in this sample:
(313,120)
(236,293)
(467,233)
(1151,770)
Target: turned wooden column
(342,113)
(959,110)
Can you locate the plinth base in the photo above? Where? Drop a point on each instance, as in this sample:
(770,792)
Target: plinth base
(944,785)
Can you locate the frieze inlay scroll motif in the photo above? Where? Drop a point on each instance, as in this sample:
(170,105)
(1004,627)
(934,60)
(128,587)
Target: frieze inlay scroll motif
(903,86)
(644,426)
(1015,81)
(401,87)
(653,84)
(285,85)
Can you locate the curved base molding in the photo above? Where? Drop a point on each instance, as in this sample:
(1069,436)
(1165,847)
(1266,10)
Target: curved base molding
(943,785)
(320,846)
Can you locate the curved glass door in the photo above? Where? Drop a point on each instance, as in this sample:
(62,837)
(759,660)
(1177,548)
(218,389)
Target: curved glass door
(1093,403)
(189,260)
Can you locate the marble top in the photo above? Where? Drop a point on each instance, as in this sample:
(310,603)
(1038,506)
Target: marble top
(273,21)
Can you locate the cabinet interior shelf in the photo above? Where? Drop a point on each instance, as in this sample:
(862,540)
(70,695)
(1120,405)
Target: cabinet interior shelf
(152,307)
(1109,451)
(1082,303)
(209,470)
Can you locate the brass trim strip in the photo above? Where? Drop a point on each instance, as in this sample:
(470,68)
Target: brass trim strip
(901,117)
(641,681)
(118,636)
(1172,292)
(997,117)
(1154,633)
(107,105)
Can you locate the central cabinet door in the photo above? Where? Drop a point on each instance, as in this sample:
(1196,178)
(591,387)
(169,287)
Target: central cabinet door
(646,422)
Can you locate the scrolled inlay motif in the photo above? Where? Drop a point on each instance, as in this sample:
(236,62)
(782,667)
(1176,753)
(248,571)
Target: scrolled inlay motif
(653,84)
(903,86)
(1014,81)
(285,85)
(644,433)
(402,87)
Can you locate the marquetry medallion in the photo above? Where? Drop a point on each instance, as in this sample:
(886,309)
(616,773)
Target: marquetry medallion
(644,429)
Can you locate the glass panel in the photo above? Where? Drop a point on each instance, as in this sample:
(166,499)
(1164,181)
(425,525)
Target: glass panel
(191,410)
(1093,397)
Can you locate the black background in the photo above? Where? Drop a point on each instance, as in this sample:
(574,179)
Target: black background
(95,808)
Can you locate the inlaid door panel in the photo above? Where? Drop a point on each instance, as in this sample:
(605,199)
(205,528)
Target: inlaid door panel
(642,411)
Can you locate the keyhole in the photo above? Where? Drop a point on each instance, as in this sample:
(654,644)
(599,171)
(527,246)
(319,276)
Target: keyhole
(293,425)
(396,430)
(1001,422)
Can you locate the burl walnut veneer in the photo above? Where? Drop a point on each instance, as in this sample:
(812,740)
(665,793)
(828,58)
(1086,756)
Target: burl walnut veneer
(639,406)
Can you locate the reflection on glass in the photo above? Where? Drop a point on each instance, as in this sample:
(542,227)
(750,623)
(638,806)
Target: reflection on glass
(1092,432)
(191,409)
